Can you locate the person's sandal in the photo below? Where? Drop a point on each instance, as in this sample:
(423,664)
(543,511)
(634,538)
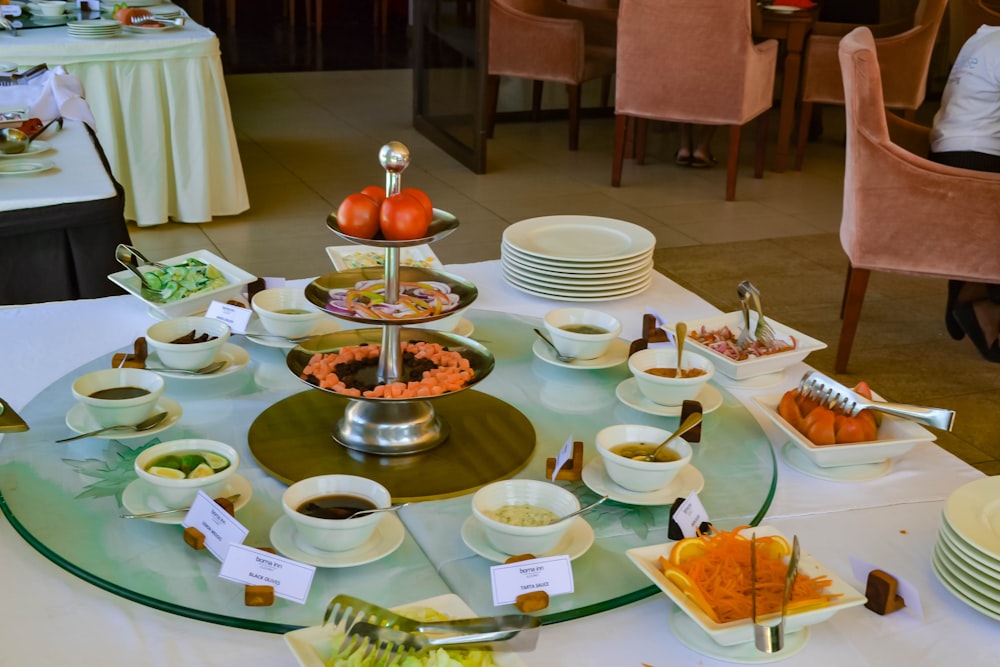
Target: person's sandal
(699,162)
(682,159)
(955,329)
(965,315)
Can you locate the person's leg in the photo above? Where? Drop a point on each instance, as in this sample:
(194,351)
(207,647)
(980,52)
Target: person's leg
(702,155)
(683,155)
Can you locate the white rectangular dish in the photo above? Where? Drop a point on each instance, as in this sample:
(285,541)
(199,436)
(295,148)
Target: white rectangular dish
(896,437)
(313,646)
(752,367)
(359,256)
(740,632)
(236,279)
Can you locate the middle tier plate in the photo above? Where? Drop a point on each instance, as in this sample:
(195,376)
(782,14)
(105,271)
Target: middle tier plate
(319,293)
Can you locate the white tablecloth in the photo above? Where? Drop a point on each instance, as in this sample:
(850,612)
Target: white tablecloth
(162,116)
(52,618)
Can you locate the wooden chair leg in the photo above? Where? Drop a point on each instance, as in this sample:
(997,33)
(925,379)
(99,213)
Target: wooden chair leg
(492,96)
(761,153)
(639,146)
(805,119)
(630,137)
(318,17)
(621,126)
(854,297)
(733,162)
(573,92)
(536,100)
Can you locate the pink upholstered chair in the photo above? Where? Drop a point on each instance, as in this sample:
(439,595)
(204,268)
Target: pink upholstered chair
(904,57)
(902,212)
(548,40)
(691,62)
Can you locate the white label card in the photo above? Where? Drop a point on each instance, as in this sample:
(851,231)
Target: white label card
(565,454)
(690,515)
(290,579)
(554,575)
(220,529)
(904,588)
(235,316)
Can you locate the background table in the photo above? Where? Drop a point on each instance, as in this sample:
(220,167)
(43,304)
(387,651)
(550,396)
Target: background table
(891,522)
(58,228)
(162,115)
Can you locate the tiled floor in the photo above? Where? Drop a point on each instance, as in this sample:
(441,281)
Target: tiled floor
(307,139)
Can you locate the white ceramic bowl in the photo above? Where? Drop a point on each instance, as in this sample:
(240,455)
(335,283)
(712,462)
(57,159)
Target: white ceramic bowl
(285,311)
(514,540)
(895,438)
(50,7)
(581,345)
(640,476)
(118,412)
(189,356)
(666,390)
(181,492)
(752,366)
(334,534)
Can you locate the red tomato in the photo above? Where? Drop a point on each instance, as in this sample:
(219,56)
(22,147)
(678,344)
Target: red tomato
(125,15)
(421,197)
(375,192)
(403,218)
(357,216)
(819,426)
(853,429)
(789,409)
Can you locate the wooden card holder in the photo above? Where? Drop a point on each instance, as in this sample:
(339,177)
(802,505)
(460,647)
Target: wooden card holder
(137,359)
(259,596)
(881,591)
(572,470)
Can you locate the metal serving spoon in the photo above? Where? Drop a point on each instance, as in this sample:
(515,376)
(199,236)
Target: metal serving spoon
(693,420)
(559,355)
(233,498)
(204,370)
(680,332)
(14,141)
(391,508)
(144,425)
(579,511)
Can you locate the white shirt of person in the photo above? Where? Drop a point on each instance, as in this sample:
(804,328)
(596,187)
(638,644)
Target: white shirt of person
(969,117)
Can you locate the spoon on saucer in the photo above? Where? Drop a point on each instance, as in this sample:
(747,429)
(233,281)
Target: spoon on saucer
(559,355)
(144,425)
(391,508)
(233,498)
(693,420)
(579,511)
(204,370)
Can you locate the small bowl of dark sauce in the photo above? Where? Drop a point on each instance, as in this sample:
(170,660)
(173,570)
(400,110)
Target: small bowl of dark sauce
(118,396)
(322,508)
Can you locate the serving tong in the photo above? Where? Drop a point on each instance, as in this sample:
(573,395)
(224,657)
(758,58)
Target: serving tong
(23,78)
(391,636)
(763,332)
(832,394)
(769,636)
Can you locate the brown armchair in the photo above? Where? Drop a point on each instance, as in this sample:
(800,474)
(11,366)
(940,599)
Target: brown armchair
(966,17)
(902,212)
(548,40)
(692,63)
(904,56)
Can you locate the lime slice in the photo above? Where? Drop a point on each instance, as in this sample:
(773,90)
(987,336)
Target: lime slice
(169,473)
(217,461)
(203,470)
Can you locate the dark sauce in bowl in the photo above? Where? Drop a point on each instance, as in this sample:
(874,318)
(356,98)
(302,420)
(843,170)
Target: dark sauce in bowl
(119,393)
(337,506)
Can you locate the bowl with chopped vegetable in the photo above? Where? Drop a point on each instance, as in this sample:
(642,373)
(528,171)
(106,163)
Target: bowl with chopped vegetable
(177,470)
(519,516)
(185,284)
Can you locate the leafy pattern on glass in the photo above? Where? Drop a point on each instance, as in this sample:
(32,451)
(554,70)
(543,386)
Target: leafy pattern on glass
(636,518)
(113,473)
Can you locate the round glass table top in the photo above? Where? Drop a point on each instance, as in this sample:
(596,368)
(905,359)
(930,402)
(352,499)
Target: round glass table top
(66,499)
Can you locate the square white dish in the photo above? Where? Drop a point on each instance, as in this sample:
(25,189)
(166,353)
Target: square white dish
(359,256)
(740,632)
(753,367)
(236,279)
(896,437)
(313,646)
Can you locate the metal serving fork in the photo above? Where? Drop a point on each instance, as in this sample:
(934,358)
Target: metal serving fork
(763,331)
(746,337)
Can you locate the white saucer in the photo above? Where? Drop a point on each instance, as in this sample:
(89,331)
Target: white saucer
(80,421)
(689,480)
(574,544)
(387,537)
(696,639)
(617,353)
(784,9)
(795,458)
(136,499)
(255,329)
(234,356)
(629,394)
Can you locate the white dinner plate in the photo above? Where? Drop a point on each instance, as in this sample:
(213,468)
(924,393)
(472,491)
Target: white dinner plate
(25,166)
(137,498)
(959,544)
(35,147)
(609,278)
(511,257)
(544,263)
(234,356)
(579,238)
(962,591)
(8,67)
(387,537)
(688,480)
(978,572)
(584,287)
(565,295)
(616,354)
(973,512)
(784,9)
(574,543)
(146,28)
(628,392)
(80,421)
(797,459)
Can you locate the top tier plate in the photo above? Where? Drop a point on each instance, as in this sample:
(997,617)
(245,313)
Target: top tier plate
(442,224)
(580,239)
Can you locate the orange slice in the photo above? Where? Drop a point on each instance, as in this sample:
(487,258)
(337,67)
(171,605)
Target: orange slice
(687,549)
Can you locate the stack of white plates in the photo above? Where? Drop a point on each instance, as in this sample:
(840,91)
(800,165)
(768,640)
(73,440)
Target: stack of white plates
(577,257)
(966,557)
(94,28)
(165,11)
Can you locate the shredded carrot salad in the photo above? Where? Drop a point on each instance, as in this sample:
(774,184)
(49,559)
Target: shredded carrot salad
(715,573)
